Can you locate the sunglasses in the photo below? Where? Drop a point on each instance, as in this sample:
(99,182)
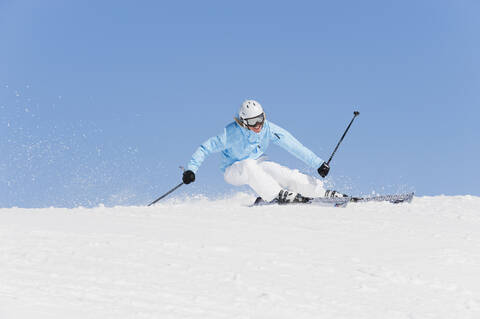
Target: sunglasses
(253,121)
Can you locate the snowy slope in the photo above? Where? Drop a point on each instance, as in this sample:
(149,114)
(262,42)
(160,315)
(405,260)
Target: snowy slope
(221,259)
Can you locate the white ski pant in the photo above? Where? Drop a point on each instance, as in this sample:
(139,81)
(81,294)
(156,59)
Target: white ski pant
(268,178)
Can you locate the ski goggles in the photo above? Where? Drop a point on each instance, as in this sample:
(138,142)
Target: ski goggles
(253,121)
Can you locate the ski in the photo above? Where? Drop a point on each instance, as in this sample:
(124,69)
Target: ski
(330,201)
(394,199)
(322,201)
(343,201)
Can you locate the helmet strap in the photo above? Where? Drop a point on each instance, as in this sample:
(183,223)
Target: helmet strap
(240,122)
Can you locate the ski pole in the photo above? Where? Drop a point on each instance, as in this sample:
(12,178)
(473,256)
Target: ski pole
(355,114)
(166,194)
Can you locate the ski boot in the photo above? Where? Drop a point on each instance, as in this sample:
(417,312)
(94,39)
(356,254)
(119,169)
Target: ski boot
(333,194)
(286,197)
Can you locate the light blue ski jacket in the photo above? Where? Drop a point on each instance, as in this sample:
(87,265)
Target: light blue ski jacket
(237,143)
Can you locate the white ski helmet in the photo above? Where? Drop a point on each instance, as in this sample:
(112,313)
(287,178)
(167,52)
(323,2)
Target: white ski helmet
(250,110)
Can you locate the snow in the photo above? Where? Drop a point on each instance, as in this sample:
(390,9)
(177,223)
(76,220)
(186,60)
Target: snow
(202,258)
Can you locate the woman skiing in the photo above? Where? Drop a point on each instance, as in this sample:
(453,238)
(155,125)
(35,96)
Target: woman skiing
(242,144)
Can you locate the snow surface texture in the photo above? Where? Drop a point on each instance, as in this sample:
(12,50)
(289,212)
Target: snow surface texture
(220,259)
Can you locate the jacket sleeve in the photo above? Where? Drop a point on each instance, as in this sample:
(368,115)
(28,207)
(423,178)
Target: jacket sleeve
(286,140)
(212,145)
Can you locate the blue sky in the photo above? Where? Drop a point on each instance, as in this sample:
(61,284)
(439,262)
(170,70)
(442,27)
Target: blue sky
(102,101)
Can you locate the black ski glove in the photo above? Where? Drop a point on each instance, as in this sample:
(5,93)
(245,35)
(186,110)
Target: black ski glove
(188,177)
(323,169)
